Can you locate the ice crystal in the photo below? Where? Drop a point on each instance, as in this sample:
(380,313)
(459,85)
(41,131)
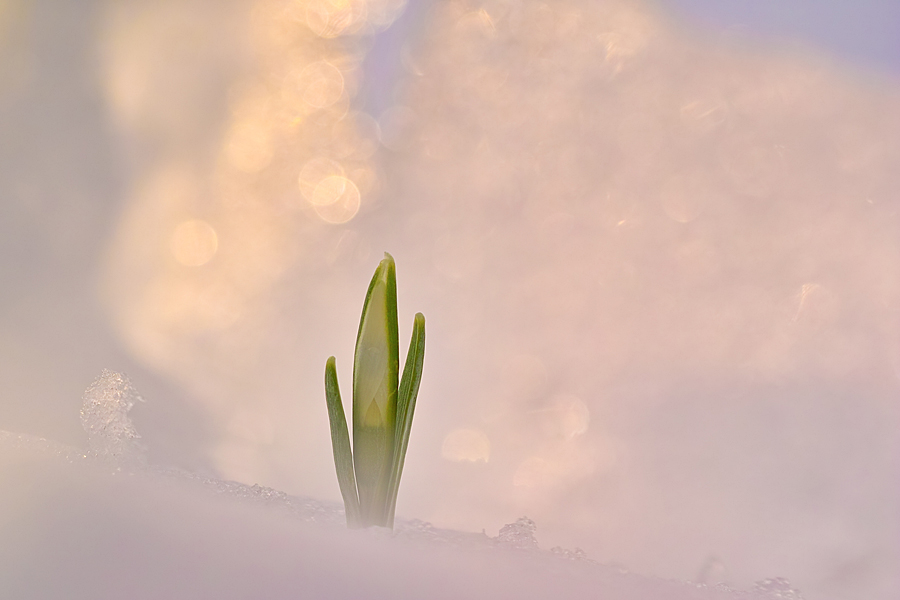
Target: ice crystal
(777,588)
(104,416)
(577,554)
(518,535)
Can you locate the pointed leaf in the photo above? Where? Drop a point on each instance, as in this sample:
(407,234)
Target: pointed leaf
(375,374)
(406,406)
(340,444)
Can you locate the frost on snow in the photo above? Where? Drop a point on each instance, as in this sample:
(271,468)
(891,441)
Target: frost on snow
(518,535)
(779,587)
(104,416)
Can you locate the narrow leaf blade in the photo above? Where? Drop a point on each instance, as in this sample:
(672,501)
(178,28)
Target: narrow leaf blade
(375,374)
(340,444)
(406,406)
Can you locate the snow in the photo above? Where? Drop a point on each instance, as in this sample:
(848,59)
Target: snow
(87,526)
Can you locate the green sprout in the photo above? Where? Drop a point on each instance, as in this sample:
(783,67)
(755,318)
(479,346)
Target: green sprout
(369,476)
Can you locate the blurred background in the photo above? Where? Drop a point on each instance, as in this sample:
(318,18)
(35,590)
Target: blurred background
(656,245)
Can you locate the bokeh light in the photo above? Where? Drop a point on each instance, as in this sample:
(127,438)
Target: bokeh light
(470,445)
(194,243)
(336,199)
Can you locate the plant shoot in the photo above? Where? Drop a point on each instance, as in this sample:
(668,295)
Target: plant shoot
(383,406)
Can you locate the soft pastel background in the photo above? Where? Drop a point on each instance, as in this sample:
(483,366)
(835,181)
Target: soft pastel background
(656,245)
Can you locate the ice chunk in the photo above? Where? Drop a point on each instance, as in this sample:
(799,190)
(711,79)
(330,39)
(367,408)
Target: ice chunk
(104,416)
(777,588)
(518,535)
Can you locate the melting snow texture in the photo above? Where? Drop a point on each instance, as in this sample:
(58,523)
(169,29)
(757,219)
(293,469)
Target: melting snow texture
(88,525)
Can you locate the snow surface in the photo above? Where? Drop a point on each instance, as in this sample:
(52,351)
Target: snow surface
(98,525)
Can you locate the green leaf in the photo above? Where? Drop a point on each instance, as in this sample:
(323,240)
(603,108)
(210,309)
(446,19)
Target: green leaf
(340,444)
(383,407)
(376,364)
(406,406)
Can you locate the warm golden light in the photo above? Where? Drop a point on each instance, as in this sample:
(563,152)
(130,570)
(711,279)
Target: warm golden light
(330,190)
(319,85)
(466,445)
(194,243)
(572,415)
(287,156)
(331,18)
(249,148)
(314,172)
(533,471)
(336,200)
(477,21)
